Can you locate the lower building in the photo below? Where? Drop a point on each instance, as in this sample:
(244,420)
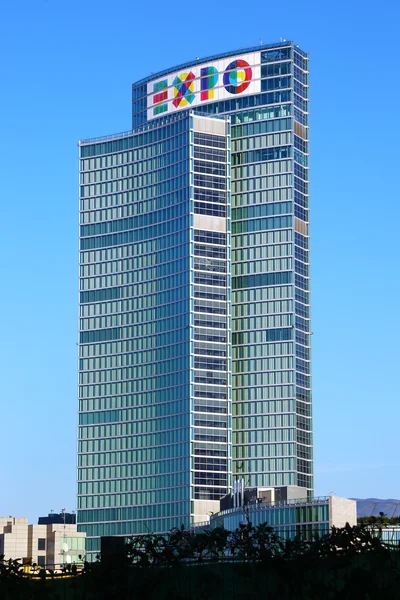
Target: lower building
(288,515)
(52,546)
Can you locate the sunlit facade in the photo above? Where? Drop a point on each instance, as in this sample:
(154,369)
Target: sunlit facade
(195,294)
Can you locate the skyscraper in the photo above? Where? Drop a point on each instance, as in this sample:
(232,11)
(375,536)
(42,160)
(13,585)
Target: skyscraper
(194,357)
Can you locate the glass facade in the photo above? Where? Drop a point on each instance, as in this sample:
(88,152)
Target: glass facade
(195,294)
(289,519)
(154,349)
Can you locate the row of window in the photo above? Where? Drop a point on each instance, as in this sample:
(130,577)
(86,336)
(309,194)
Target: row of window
(116,210)
(210,237)
(299,102)
(277,363)
(147,295)
(207,153)
(302,282)
(210,435)
(210,195)
(301,186)
(262,436)
(159,426)
(268,140)
(210,293)
(210,251)
(207,405)
(275,83)
(134,317)
(133,443)
(211,405)
(151,218)
(136,235)
(266,450)
(131,456)
(139,469)
(139,289)
(137,413)
(175,268)
(210,306)
(272,322)
(139,439)
(157,245)
(208,139)
(212,479)
(261,126)
(140,329)
(260,166)
(210,320)
(128,528)
(280,68)
(209,493)
(207,391)
(209,181)
(210,279)
(154,384)
(218,421)
(300,116)
(300,144)
(260,350)
(201,449)
(113,307)
(148,378)
(261,183)
(262,308)
(262,294)
(262,266)
(210,464)
(209,264)
(270,392)
(146,511)
(263,407)
(264,378)
(144,145)
(210,363)
(134,262)
(261,113)
(210,168)
(262,279)
(245,102)
(144,198)
(211,377)
(150,184)
(262,336)
(138,167)
(206,208)
(262,210)
(209,335)
(262,196)
(138,344)
(270,251)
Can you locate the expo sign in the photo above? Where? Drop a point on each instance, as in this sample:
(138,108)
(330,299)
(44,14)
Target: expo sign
(203,83)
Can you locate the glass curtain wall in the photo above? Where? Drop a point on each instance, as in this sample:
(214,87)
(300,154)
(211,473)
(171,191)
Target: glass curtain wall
(272,416)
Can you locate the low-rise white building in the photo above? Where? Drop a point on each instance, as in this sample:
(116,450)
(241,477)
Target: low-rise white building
(52,545)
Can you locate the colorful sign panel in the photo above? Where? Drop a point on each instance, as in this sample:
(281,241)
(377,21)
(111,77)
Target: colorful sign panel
(204,82)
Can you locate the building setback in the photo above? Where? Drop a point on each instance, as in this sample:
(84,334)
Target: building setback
(194,349)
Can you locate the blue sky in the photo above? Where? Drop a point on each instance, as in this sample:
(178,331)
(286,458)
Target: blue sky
(66,74)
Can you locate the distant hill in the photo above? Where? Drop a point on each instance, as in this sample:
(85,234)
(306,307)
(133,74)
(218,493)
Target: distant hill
(369,507)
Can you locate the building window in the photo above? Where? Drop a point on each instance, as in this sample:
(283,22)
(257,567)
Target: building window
(41,561)
(41,544)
